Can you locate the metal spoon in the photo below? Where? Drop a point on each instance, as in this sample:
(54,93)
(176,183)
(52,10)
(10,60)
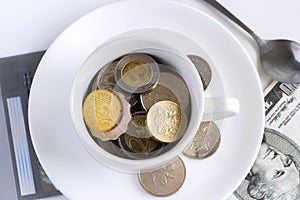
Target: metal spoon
(280,59)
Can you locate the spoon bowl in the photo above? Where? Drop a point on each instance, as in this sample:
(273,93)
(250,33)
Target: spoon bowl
(280,59)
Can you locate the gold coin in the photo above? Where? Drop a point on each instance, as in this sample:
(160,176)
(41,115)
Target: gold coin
(164,181)
(163,121)
(121,126)
(102,110)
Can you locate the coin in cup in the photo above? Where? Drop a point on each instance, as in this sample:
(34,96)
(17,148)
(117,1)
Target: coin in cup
(139,148)
(174,83)
(165,180)
(106,77)
(205,142)
(106,114)
(137,73)
(166,122)
(159,93)
(102,110)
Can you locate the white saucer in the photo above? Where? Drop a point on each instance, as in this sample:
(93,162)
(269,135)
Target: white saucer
(75,172)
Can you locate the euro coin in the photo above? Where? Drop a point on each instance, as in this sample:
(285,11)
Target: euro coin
(165,180)
(164,120)
(102,110)
(137,73)
(203,69)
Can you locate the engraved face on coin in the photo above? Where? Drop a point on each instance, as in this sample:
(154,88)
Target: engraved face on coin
(164,181)
(159,93)
(205,142)
(102,110)
(164,120)
(137,73)
(177,86)
(203,69)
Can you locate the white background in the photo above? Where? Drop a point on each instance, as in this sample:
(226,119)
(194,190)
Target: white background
(31,25)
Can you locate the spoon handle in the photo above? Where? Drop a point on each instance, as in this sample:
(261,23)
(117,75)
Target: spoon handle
(223,10)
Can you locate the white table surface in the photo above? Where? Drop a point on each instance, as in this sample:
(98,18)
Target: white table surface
(31,25)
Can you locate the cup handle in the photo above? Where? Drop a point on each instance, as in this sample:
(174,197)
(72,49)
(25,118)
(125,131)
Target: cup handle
(216,108)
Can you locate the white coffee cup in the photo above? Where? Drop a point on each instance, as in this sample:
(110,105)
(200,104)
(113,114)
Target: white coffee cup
(202,109)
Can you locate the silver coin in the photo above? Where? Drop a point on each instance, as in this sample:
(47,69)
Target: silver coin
(106,77)
(165,180)
(106,80)
(205,143)
(159,93)
(178,87)
(137,73)
(203,69)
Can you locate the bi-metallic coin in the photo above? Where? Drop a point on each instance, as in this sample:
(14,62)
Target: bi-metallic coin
(137,73)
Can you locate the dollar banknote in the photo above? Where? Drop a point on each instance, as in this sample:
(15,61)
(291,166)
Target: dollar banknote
(275,174)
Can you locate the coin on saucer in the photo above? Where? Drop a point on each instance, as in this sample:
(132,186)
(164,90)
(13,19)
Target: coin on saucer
(205,143)
(165,180)
(203,69)
(137,73)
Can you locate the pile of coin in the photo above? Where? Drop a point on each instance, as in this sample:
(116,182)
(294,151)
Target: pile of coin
(132,108)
